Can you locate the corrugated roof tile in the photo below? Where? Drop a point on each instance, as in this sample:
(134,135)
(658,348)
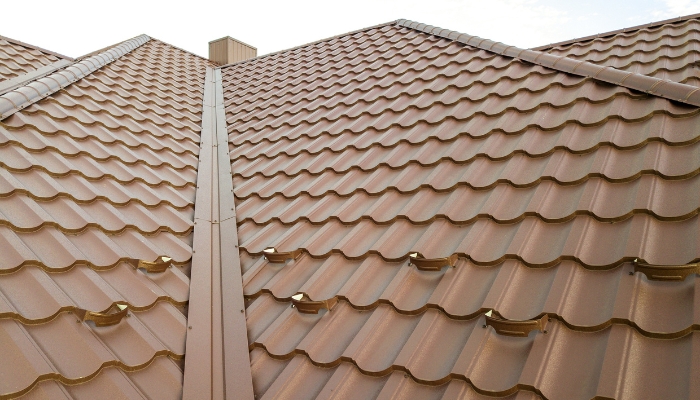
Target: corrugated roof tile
(94,176)
(667,51)
(548,186)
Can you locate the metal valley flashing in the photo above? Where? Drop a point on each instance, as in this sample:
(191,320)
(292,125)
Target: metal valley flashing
(217,362)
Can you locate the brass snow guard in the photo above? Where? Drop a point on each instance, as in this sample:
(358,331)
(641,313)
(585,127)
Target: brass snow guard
(153,267)
(666,272)
(112,316)
(303,303)
(274,256)
(431,264)
(507,327)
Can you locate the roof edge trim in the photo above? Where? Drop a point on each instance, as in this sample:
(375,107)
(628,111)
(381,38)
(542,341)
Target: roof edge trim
(310,43)
(26,95)
(659,87)
(617,32)
(41,49)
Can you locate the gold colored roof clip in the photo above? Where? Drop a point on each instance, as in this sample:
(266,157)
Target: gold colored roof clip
(431,264)
(272,255)
(152,267)
(302,302)
(665,272)
(112,316)
(508,327)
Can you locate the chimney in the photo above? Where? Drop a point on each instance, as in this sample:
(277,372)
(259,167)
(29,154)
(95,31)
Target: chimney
(228,50)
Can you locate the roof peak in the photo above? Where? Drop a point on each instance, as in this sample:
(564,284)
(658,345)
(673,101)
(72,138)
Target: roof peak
(312,43)
(659,87)
(617,32)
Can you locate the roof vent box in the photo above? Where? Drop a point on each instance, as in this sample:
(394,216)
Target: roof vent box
(228,50)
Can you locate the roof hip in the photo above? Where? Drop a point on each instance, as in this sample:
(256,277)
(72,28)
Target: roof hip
(659,87)
(26,95)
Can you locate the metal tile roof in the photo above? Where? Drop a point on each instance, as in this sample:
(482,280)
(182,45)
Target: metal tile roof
(420,213)
(94,178)
(18,58)
(551,188)
(665,49)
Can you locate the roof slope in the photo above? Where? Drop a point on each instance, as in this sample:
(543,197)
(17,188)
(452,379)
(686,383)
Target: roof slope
(365,148)
(666,49)
(94,178)
(17,58)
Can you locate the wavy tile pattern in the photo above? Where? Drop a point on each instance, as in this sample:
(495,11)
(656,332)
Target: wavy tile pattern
(669,51)
(16,60)
(362,149)
(95,174)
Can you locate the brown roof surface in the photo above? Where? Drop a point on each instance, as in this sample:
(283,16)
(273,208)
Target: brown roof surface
(365,148)
(666,49)
(466,218)
(17,58)
(91,177)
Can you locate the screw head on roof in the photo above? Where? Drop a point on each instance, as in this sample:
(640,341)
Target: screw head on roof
(189,327)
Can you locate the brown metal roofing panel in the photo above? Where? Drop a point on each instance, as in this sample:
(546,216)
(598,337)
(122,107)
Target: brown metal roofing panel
(17,58)
(548,189)
(97,187)
(218,364)
(667,50)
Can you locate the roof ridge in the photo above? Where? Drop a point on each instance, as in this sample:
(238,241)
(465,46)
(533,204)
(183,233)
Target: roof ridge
(28,94)
(667,89)
(310,43)
(31,46)
(186,51)
(617,32)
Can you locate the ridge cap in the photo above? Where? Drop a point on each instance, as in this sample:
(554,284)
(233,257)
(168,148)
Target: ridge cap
(31,92)
(664,88)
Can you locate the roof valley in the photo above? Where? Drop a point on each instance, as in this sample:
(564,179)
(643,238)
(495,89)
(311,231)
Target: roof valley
(217,360)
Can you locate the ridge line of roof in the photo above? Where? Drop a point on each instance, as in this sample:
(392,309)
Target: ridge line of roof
(659,87)
(617,31)
(103,49)
(186,51)
(28,94)
(31,46)
(310,43)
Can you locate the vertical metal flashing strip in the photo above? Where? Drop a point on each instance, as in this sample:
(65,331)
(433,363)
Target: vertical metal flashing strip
(238,378)
(217,361)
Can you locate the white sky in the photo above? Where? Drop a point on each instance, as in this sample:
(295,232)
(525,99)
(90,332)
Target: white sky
(77,27)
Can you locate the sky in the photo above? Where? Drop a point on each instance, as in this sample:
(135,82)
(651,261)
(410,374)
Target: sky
(78,27)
